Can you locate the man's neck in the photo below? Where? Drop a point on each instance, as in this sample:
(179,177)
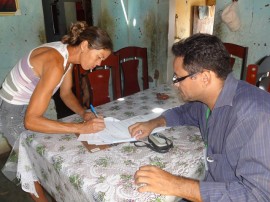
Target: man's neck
(213,94)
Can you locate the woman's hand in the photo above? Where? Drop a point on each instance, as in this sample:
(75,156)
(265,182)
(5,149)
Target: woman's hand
(93,125)
(88,116)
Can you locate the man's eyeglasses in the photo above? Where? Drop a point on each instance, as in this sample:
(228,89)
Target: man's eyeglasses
(176,79)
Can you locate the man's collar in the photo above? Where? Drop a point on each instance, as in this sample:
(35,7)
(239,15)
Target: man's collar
(228,92)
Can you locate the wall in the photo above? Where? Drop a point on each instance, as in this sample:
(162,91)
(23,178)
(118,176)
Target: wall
(255,29)
(18,34)
(184,13)
(150,30)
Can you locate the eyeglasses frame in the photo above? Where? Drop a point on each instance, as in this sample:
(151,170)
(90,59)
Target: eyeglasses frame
(179,79)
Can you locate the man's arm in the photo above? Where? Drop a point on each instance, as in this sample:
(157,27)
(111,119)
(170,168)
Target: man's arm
(154,179)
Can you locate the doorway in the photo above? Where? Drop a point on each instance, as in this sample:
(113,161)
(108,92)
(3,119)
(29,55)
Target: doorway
(59,14)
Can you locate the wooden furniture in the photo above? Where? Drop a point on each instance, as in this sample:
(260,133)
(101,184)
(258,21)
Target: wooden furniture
(258,74)
(251,76)
(129,65)
(94,86)
(237,51)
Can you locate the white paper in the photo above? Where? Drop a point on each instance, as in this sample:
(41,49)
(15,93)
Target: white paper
(117,131)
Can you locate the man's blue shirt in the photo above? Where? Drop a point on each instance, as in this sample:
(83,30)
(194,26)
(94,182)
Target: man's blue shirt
(238,141)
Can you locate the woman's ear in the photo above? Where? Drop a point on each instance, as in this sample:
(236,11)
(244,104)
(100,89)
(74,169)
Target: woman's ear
(84,45)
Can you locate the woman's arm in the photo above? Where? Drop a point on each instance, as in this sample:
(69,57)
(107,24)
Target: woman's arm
(52,71)
(68,96)
(71,100)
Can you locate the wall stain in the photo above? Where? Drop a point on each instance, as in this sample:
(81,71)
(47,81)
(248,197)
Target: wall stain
(267,5)
(12,29)
(218,29)
(106,22)
(155,36)
(150,36)
(42,36)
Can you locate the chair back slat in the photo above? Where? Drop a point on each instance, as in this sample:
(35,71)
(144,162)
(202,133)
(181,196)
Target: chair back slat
(127,54)
(131,84)
(251,76)
(99,86)
(240,52)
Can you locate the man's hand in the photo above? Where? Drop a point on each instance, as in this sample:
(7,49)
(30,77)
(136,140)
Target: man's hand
(156,180)
(141,130)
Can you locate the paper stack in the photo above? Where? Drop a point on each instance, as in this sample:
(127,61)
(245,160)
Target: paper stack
(117,131)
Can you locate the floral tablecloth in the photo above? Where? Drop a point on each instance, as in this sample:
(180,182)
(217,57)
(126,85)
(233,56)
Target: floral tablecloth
(69,172)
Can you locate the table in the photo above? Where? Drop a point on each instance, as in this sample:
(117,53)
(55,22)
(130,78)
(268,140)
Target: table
(69,172)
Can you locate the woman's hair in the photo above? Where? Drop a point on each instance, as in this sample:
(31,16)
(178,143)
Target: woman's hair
(203,51)
(96,37)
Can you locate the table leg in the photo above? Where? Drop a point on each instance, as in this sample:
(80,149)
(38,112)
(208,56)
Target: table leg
(40,192)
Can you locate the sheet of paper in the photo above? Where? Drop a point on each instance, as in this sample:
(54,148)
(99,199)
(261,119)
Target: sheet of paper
(117,131)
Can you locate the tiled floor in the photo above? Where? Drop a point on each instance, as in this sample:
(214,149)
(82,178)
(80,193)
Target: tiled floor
(9,192)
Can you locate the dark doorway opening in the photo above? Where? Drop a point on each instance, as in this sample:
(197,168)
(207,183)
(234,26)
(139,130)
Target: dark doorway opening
(58,16)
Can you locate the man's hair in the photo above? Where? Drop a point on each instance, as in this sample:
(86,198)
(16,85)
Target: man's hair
(203,51)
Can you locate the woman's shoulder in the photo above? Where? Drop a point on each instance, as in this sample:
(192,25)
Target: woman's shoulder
(45,58)
(57,49)
(46,54)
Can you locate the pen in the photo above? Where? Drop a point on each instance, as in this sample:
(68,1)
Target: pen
(93,110)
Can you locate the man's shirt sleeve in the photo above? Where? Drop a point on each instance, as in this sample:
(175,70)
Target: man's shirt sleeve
(187,114)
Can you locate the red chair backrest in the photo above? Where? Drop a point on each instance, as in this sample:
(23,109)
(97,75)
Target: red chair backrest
(251,76)
(129,65)
(240,52)
(93,87)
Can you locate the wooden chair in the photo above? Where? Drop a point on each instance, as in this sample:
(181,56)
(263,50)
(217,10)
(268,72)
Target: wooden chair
(129,65)
(251,76)
(237,51)
(94,86)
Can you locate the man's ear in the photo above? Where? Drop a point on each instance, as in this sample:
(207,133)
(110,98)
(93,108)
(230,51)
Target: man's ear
(84,45)
(206,78)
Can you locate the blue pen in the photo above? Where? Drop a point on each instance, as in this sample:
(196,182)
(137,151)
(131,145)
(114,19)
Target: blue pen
(93,110)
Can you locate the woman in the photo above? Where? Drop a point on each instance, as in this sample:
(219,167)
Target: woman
(28,88)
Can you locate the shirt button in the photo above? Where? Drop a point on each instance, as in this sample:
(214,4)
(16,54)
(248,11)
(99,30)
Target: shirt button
(209,159)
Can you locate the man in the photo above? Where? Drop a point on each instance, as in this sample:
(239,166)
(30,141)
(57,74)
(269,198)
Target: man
(234,120)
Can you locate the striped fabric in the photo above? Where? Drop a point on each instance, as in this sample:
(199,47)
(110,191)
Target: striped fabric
(20,83)
(238,142)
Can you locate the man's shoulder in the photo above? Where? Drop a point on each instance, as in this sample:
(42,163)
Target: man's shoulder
(251,98)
